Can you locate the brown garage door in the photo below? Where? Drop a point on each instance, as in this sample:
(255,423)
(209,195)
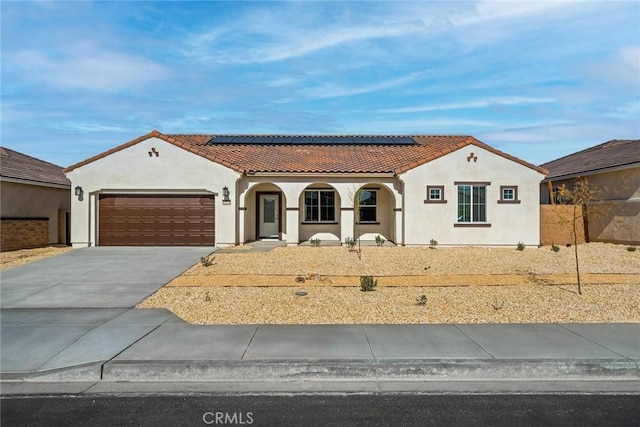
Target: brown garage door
(156,220)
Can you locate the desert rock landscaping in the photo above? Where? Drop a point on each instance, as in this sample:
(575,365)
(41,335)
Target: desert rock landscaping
(456,285)
(17,258)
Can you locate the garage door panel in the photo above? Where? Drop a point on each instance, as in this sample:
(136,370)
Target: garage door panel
(156,220)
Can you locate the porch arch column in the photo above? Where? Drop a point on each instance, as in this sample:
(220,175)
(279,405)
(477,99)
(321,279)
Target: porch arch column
(241,218)
(346,223)
(398,223)
(293,222)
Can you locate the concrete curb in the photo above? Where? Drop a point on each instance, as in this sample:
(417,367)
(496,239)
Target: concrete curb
(290,370)
(87,372)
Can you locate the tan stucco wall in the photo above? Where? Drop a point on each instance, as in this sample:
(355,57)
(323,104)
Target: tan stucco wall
(510,223)
(175,170)
(556,224)
(24,200)
(614,215)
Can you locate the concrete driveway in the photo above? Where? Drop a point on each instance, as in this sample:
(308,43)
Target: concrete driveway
(99,277)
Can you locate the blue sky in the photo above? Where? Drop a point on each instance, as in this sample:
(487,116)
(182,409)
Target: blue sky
(536,79)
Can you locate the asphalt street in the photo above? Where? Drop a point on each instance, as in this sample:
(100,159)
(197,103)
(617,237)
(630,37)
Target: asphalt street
(325,410)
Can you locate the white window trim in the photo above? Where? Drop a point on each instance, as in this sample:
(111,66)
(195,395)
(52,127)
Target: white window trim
(473,222)
(375,221)
(319,207)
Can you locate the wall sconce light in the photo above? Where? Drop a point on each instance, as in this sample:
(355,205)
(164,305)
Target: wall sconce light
(225,194)
(79,192)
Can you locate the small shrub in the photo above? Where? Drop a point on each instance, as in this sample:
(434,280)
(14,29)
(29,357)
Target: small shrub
(368,284)
(520,246)
(433,243)
(349,243)
(379,240)
(421,299)
(497,305)
(631,248)
(554,247)
(315,242)
(206,261)
(207,297)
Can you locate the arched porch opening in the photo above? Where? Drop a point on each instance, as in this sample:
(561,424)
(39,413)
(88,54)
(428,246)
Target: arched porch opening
(319,213)
(264,213)
(374,213)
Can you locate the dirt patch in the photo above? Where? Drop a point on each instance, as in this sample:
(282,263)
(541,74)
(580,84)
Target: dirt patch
(24,256)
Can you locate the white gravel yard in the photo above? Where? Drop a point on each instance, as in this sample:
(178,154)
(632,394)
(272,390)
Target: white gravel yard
(462,285)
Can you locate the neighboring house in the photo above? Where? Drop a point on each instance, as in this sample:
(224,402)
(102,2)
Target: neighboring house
(35,202)
(614,168)
(231,189)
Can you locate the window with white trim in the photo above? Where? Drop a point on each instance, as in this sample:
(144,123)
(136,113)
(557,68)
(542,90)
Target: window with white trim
(368,204)
(319,206)
(508,194)
(435,194)
(472,203)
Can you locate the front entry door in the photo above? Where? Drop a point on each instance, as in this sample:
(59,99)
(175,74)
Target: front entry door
(269,215)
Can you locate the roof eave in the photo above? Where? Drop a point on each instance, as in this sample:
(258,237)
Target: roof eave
(592,172)
(323,173)
(34,182)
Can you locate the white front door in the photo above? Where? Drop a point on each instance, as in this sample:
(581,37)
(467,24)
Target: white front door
(269,217)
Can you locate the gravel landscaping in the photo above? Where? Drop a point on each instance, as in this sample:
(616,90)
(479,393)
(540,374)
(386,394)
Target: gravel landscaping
(24,256)
(461,285)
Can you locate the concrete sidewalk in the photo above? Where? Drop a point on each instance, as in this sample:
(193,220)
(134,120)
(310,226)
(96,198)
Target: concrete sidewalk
(109,345)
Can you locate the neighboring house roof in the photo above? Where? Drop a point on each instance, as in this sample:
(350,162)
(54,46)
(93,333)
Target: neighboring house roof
(316,153)
(611,154)
(18,166)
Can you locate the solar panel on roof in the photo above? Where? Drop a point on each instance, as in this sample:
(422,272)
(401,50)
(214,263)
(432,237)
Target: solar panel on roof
(312,139)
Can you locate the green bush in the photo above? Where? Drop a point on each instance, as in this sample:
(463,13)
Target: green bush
(631,248)
(315,242)
(349,242)
(206,261)
(520,246)
(368,284)
(421,299)
(554,247)
(379,240)
(433,243)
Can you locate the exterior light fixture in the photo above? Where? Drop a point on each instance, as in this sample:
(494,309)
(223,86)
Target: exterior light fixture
(225,194)
(79,192)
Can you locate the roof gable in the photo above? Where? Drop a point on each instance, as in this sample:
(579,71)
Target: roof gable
(317,154)
(610,154)
(16,165)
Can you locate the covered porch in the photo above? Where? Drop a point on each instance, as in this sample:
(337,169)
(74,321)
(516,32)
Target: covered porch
(306,212)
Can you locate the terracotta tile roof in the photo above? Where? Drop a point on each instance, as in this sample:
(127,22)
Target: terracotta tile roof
(318,158)
(20,166)
(609,154)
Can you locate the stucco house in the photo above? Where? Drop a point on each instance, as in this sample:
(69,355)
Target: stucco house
(35,202)
(613,167)
(231,189)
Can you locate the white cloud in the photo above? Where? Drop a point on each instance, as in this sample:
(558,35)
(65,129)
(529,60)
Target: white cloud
(481,103)
(103,71)
(86,127)
(335,91)
(630,110)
